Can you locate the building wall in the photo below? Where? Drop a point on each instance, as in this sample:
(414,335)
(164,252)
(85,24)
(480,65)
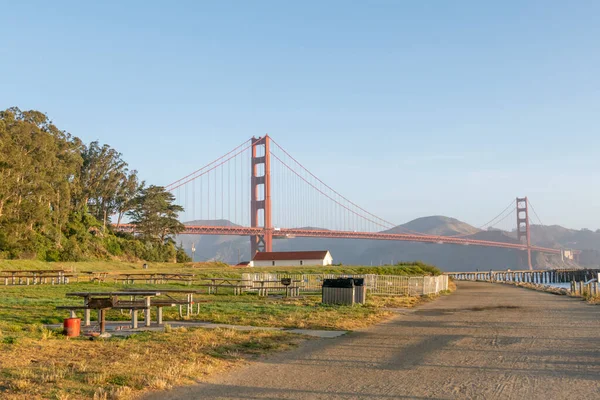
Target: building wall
(292,263)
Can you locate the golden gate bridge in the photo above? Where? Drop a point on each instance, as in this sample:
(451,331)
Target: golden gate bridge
(260,190)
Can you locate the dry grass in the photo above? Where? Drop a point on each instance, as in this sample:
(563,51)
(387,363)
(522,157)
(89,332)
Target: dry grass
(121,368)
(451,285)
(594,300)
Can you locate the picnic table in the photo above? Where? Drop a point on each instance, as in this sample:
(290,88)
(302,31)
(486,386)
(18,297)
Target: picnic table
(96,276)
(238,285)
(292,289)
(171,301)
(35,276)
(153,277)
(103,301)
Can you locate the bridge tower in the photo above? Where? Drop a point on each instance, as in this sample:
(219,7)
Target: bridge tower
(260,203)
(523,233)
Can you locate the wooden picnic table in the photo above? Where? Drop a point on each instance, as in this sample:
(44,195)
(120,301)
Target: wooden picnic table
(170,301)
(290,290)
(35,275)
(103,301)
(96,276)
(236,283)
(32,270)
(154,277)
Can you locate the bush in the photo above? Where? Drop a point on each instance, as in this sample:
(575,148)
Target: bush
(182,256)
(52,255)
(113,246)
(71,250)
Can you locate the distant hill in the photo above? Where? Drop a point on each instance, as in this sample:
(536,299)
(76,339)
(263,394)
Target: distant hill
(557,236)
(210,222)
(448,257)
(436,225)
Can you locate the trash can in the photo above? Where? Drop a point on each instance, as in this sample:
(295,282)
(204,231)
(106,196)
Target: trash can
(338,291)
(360,291)
(72,327)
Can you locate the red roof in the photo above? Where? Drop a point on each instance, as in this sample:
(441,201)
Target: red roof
(290,255)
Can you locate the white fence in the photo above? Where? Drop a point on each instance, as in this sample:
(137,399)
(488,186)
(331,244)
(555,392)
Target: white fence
(376,284)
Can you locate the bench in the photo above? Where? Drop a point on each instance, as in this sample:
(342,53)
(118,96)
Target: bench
(36,279)
(212,288)
(292,291)
(154,281)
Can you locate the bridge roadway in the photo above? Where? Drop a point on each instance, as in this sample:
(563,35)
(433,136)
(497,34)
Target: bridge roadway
(486,341)
(322,233)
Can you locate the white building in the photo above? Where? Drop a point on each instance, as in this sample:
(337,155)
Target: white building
(291,258)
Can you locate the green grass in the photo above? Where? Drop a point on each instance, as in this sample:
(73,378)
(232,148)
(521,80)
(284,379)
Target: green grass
(24,305)
(211,269)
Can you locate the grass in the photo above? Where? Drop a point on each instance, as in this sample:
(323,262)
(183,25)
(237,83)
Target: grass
(35,367)
(36,362)
(25,305)
(213,269)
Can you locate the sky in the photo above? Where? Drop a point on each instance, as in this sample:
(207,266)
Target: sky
(407,108)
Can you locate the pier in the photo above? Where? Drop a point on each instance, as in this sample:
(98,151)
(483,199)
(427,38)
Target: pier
(540,276)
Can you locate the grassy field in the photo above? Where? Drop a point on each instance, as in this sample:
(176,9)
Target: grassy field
(36,362)
(216,269)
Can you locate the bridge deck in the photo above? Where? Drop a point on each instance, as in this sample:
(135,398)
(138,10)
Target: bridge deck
(287,232)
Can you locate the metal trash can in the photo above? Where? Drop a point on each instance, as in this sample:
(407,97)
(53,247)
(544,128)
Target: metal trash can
(360,291)
(72,327)
(338,291)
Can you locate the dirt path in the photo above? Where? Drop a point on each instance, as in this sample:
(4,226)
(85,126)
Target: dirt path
(485,341)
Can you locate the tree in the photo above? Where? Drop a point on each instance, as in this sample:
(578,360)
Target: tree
(128,191)
(38,172)
(103,174)
(181,256)
(54,190)
(155,215)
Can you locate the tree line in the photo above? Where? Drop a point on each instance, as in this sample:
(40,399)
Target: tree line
(61,198)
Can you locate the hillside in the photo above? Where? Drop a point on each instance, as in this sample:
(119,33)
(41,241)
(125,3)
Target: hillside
(557,236)
(374,252)
(435,225)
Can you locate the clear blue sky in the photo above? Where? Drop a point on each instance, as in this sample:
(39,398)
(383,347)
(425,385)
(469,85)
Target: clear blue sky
(408,108)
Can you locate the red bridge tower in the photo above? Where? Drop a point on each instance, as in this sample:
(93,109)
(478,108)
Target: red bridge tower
(523,226)
(260,203)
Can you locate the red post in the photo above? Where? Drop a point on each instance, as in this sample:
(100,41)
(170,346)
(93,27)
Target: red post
(261,195)
(523,226)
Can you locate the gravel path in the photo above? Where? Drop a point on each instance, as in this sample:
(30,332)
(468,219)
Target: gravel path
(486,341)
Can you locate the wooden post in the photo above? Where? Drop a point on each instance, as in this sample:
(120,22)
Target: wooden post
(147,311)
(134,318)
(86,312)
(102,321)
(189,304)
(159,315)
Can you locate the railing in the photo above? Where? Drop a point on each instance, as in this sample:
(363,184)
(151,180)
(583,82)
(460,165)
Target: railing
(585,288)
(528,276)
(391,285)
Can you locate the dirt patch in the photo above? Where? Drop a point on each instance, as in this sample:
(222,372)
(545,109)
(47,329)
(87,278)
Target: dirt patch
(446,311)
(493,308)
